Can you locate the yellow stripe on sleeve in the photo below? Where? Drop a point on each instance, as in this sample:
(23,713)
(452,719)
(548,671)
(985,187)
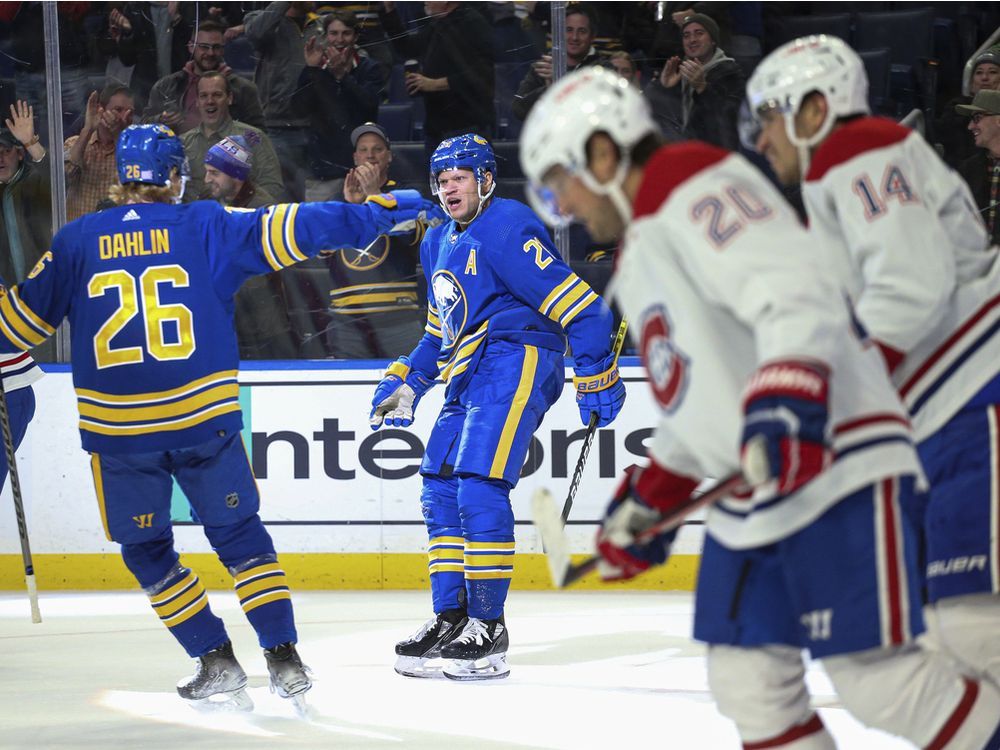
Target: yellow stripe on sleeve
(293,246)
(554,294)
(11,336)
(566,302)
(278,236)
(266,223)
(582,305)
(35,318)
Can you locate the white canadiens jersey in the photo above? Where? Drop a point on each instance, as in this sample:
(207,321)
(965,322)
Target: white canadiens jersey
(911,251)
(718,277)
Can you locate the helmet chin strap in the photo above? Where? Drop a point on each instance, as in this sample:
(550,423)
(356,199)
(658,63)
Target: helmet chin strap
(479,209)
(805,146)
(612,189)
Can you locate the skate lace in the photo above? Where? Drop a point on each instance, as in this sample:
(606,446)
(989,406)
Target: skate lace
(475,630)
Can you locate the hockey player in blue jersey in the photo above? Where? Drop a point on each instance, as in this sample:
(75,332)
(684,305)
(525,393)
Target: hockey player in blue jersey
(501,304)
(148,290)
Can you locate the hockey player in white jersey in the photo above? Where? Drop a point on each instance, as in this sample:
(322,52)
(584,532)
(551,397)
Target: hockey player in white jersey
(752,351)
(911,251)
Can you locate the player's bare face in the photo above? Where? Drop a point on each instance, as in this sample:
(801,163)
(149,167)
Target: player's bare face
(576,200)
(775,146)
(460,192)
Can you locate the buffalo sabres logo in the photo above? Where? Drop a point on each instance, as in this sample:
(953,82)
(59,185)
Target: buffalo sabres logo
(666,364)
(367,258)
(450,300)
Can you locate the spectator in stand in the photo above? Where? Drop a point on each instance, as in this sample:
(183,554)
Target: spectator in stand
(371,36)
(950,128)
(174,99)
(339,88)
(456,77)
(261,314)
(376,298)
(278,34)
(128,42)
(982,169)
(25,191)
(623,64)
(580,51)
(89,157)
(216,122)
(699,97)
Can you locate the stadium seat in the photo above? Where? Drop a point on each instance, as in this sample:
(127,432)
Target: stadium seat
(909,37)
(397,119)
(508,161)
(792,27)
(877,67)
(409,163)
(396,88)
(511,188)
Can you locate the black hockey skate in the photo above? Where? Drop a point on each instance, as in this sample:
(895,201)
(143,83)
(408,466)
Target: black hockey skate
(219,684)
(289,676)
(420,654)
(479,652)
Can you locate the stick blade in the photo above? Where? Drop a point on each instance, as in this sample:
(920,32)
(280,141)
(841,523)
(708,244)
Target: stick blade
(549,526)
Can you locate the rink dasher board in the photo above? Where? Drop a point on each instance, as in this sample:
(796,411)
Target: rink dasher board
(341,501)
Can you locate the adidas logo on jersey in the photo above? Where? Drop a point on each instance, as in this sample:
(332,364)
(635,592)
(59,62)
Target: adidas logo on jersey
(131,215)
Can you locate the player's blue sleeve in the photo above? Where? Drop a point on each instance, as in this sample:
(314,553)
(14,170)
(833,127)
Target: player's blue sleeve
(246,243)
(31,311)
(425,354)
(533,271)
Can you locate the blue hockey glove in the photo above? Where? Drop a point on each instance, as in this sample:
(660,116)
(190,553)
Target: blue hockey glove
(397,395)
(398,212)
(637,504)
(599,390)
(784,430)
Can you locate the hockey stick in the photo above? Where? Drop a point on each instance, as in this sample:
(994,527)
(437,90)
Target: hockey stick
(588,439)
(556,544)
(15,488)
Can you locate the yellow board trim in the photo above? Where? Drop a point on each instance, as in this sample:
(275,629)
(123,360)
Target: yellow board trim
(320,571)
(95,468)
(521,395)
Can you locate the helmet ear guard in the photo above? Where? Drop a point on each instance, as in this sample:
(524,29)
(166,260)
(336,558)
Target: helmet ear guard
(469,151)
(148,154)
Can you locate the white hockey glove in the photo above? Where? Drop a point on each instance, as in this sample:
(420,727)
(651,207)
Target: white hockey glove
(397,395)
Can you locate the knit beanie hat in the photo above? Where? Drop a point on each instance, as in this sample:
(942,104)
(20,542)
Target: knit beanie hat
(706,21)
(990,55)
(233,155)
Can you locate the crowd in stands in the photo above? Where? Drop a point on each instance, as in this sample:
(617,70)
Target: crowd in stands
(298,101)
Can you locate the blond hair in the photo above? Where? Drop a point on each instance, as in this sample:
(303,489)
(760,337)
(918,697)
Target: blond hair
(134,192)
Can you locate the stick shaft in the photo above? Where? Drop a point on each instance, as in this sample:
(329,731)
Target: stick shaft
(15,488)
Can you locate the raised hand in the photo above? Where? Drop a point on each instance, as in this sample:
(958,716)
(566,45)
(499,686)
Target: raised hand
(22,122)
(670,76)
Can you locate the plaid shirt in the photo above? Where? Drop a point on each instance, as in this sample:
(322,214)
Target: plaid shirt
(993,180)
(87,184)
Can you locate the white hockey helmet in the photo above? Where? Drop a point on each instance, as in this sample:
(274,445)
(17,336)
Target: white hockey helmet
(588,101)
(798,68)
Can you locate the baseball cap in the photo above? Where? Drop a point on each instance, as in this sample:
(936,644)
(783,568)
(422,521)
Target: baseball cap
(985,101)
(7,139)
(369,127)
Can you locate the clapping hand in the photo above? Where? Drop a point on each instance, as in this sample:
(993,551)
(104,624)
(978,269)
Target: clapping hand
(543,68)
(670,76)
(693,72)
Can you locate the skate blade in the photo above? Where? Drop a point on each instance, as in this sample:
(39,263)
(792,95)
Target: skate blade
(489,668)
(302,709)
(419,667)
(236,701)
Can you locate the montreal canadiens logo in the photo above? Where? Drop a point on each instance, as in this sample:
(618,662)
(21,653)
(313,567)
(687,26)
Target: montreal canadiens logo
(665,363)
(452,309)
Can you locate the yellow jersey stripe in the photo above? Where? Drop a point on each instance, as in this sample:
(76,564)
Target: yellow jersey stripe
(194,608)
(443,567)
(510,425)
(278,235)
(480,575)
(35,318)
(11,336)
(18,323)
(171,608)
(580,306)
(445,553)
(374,298)
(162,426)
(403,286)
(567,301)
(95,469)
(485,561)
(554,294)
(265,239)
(189,580)
(257,570)
(149,398)
(293,246)
(261,584)
(176,408)
(372,309)
(490,546)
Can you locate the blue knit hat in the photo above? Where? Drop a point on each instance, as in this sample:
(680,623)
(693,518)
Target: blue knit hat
(233,155)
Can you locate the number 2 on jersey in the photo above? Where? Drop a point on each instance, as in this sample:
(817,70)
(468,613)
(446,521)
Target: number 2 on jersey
(157,316)
(728,213)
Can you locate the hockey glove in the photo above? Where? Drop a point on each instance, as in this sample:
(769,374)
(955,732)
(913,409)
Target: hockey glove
(637,504)
(399,212)
(784,429)
(397,395)
(599,389)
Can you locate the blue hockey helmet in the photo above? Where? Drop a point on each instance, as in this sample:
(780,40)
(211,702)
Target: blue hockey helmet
(146,154)
(469,151)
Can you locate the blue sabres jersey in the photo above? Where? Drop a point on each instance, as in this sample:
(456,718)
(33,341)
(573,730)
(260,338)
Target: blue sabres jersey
(148,290)
(501,278)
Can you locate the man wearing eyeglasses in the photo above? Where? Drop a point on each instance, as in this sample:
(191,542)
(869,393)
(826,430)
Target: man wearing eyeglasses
(982,169)
(173,100)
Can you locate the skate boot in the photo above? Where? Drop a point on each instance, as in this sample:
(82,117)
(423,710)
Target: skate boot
(479,652)
(219,684)
(420,654)
(289,676)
